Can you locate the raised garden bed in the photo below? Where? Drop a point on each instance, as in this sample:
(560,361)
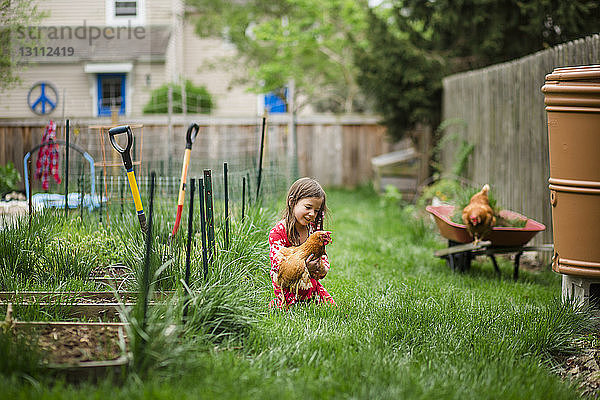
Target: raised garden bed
(72,297)
(74,305)
(100,310)
(79,351)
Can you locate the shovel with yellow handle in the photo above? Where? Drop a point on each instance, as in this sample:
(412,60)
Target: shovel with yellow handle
(129,168)
(190,138)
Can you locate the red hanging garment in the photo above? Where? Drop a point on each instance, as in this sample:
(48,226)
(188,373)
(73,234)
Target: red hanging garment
(47,161)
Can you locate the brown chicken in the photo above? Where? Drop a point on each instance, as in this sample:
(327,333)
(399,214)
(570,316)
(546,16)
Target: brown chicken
(293,272)
(478,215)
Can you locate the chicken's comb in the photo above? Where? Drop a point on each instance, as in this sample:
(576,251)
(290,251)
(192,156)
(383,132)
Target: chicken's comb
(328,233)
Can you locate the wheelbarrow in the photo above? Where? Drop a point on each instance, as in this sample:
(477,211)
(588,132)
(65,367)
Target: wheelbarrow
(501,240)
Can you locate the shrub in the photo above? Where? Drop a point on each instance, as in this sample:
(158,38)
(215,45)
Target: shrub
(198,99)
(9,177)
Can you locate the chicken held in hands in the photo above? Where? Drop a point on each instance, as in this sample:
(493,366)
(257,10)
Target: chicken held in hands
(478,215)
(294,262)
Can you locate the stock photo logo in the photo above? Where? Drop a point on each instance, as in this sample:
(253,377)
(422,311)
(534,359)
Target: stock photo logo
(83,41)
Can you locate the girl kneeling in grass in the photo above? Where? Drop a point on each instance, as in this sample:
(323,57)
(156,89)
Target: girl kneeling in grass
(305,204)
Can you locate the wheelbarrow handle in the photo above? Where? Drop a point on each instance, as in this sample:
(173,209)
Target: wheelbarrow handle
(124,151)
(191,134)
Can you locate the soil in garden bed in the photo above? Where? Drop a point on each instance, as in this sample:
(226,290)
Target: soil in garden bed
(75,343)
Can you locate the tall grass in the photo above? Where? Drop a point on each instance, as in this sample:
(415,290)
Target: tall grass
(405,326)
(222,307)
(20,357)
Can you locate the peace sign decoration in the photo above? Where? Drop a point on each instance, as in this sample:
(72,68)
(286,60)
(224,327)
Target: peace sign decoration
(42,98)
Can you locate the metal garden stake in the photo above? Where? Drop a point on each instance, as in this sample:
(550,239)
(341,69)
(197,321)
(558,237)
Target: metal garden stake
(243,196)
(145,289)
(226,206)
(189,243)
(260,157)
(67,170)
(203,227)
(210,222)
(101,192)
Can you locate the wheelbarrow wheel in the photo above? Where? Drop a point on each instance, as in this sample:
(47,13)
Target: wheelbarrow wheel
(458,261)
(463,261)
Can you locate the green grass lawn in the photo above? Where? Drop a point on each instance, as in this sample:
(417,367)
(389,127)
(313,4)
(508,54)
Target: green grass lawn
(405,326)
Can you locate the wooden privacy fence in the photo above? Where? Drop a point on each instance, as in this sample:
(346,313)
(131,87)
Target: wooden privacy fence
(334,149)
(503,108)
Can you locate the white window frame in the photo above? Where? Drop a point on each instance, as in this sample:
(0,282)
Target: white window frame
(114,20)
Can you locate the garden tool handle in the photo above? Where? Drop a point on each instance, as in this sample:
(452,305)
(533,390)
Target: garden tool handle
(190,137)
(124,151)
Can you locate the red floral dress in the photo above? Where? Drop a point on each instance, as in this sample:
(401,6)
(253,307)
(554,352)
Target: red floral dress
(277,239)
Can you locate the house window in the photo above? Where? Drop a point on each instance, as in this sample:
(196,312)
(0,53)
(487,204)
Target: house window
(119,12)
(275,102)
(125,8)
(111,94)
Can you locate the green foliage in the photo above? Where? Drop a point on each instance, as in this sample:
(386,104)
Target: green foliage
(405,326)
(411,45)
(448,190)
(403,76)
(15,18)
(53,252)
(222,309)
(459,193)
(20,357)
(348,56)
(464,200)
(198,99)
(477,33)
(391,196)
(9,178)
(462,150)
(306,41)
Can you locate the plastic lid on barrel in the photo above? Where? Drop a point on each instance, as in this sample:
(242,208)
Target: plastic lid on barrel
(577,73)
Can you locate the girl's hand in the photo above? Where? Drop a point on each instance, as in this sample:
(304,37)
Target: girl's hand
(315,267)
(312,264)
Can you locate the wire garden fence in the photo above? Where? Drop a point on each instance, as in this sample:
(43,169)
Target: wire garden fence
(101,186)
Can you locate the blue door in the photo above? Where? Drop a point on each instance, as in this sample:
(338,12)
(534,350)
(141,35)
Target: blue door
(111,93)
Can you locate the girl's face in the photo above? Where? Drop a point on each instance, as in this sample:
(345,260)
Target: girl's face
(306,209)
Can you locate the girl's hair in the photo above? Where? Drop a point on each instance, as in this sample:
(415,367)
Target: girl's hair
(301,189)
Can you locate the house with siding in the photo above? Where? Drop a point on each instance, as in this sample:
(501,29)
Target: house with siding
(93,57)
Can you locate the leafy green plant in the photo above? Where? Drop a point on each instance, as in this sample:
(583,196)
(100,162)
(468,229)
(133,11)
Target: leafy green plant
(9,178)
(450,186)
(198,99)
(500,221)
(448,190)
(458,193)
(462,151)
(391,196)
